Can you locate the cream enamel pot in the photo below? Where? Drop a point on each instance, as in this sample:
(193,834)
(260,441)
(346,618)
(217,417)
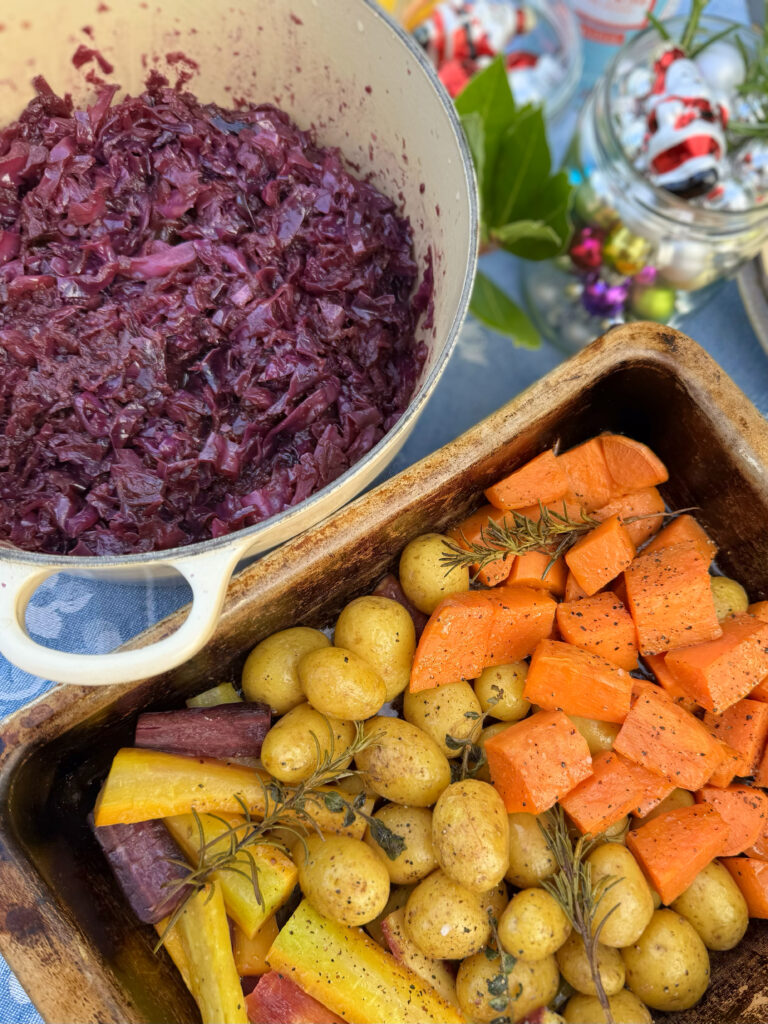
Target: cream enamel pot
(340,66)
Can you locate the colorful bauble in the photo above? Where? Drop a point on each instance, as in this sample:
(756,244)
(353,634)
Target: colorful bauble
(721,65)
(602,299)
(586,249)
(626,252)
(590,208)
(649,303)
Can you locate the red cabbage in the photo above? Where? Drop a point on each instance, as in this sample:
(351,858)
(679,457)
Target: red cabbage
(204,318)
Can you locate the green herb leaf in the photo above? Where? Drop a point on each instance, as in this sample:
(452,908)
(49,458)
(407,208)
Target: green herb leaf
(392,844)
(522,168)
(550,208)
(334,803)
(496,310)
(474,129)
(489,96)
(497,985)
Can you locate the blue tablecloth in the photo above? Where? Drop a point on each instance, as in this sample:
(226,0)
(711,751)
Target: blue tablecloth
(485,371)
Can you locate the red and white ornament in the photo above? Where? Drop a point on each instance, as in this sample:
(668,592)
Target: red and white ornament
(465,31)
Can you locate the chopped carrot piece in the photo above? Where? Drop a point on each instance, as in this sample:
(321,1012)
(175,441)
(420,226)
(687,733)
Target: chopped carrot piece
(761,775)
(674,847)
(602,625)
(601,555)
(760,692)
(619,588)
(670,599)
(665,738)
(616,787)
(760,610)
(759,848)
(665,679)
(542,479)
(641,513)
(278,1000)
(751,876)
(654,795)
(535,762)
(744,811)
(529,570)
(573,592)
(523,616)
(589,481)
(632,464)
(569,507)
(719,672)
(681,530)
(726,771)
(472,531)
(744,726)
(566,678)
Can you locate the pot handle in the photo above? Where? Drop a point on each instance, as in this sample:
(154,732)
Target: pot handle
(208,575)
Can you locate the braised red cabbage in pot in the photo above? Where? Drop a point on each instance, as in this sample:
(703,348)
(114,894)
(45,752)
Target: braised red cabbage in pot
(204,318)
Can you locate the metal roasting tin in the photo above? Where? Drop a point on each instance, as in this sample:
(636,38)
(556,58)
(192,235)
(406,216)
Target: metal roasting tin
(341,66)
(64,926)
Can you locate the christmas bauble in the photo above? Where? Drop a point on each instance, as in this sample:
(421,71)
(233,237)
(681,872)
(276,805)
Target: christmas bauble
(652,303)
(602,299)
(721,65)
(586,249)
(685,264)
(626,252)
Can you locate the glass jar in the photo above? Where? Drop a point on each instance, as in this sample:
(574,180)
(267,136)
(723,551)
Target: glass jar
(639,252)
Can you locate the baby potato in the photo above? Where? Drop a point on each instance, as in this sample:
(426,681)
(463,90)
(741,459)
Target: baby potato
(495,900)
(448,710)
(530,985)
(500,691)
(289,751)
(533,925)
(414,824)
(445,920)
(342,878)
(398,897)
(626,1008)
(530,859)
(270,673)
(340,683)
(483,773)
(574,966)
(676,799)
(668,966)
(470,834)
(424,578)
(714,905)
(381,631)
(599,735)
(729,596)
(612,864)
(403,765)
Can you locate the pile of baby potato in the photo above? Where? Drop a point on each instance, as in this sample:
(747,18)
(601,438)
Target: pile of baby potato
(463,853)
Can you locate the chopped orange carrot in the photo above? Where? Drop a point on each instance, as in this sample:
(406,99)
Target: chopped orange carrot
(616,787)
(665,679)
(761,775)
(759,848)
(523,616)
(535,762)
(654,795)
(681,530)
(566,678)
(589,481)
(631,464)
(717,673)
(751,876)
(726,771)
(619,588)
(744,810)
(542,479)
(642,513)
(674,847)
(665,738)
(573,592)
(760,692)
(472,531)
(601,555)
(602,625)
(744,726)
(529,570)
(760,610)
(670,599)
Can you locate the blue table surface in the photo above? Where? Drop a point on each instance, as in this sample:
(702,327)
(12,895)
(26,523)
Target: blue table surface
(485,371)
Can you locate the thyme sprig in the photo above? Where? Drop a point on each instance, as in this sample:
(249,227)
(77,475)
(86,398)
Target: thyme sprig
(573,890)
(472,754)
(498,985)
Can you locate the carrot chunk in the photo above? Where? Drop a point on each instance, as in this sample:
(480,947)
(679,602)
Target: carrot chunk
(529,570)
(573,592)
(657,664)
(674,847)
(751,876)
(761,775)
(601,555)
(670,599)
(665,738)
(727,770)
(523,616)
(632,464)
(542,479)
(720,672)
(641,513)
(759,848)
(602,625)
(760,610)
(681,530)
(589,481)
(760,692)
(566,678)
(278,1000)
(535,762)
(744,726)
(472,530)
(744,810)
(616,787)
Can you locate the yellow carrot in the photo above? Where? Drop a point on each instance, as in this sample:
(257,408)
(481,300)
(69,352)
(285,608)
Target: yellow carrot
(174,947)
(224,693)
(251,954)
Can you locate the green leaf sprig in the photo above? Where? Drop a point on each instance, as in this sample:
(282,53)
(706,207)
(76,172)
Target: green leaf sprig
(499,996)
(472,754)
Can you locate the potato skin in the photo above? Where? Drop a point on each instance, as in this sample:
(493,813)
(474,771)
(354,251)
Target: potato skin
(445,920)
(574,966)
(729,596)
(448,710)
(470,834)
(530,859)
(714,906)
(495,900)
(404,765)
(500,691)
(418,858)
(343,878)
(625,1007)
(668,967)
(599,735)
(341,684)
(631,895)
(530,984)
(423,576)
(270,673)
(289,752)
(483,772)
(381,631)
(533,925)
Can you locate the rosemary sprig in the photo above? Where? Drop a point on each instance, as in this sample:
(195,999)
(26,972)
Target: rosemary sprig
(572,888)
(691,26)
(498,985)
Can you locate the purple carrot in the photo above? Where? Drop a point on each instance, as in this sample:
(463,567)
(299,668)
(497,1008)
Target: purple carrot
(138,855)
(390,587)
(228,730)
